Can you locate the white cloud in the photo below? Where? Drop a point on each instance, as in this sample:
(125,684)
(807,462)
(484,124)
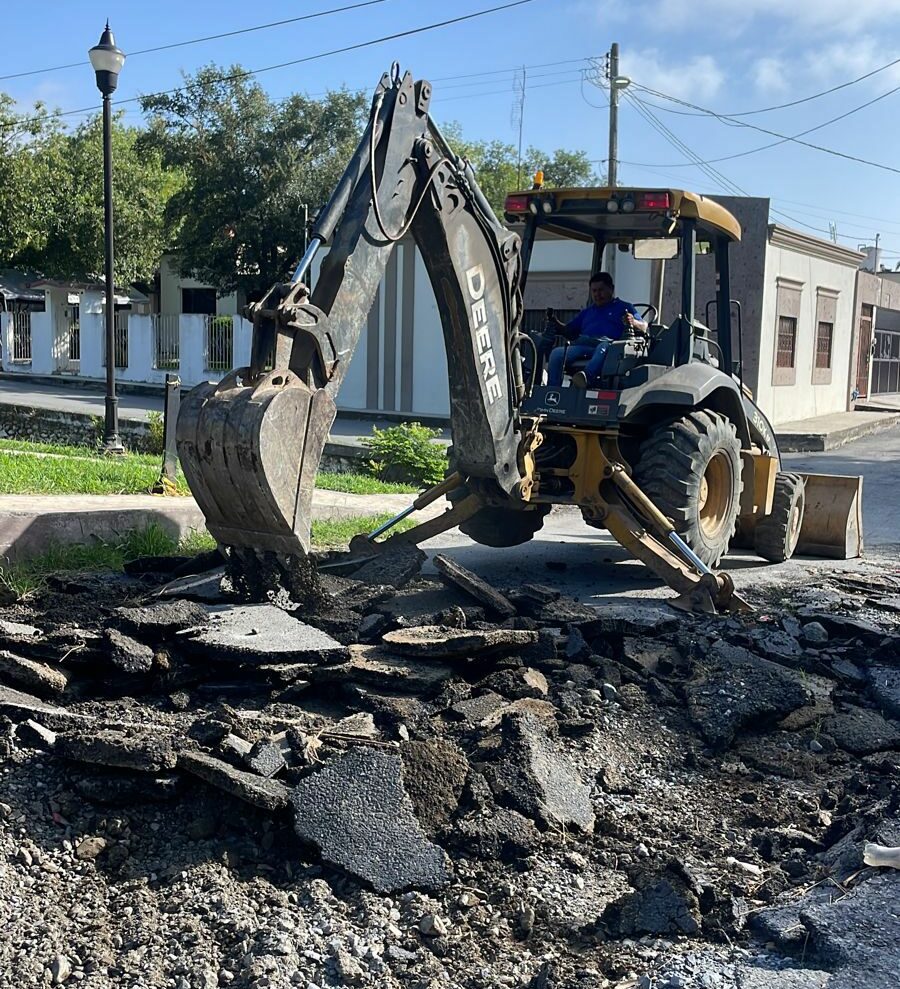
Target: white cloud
(695,78)
(770,75)
(732,17)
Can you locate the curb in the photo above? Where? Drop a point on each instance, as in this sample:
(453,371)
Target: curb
(821,442)
(30,525)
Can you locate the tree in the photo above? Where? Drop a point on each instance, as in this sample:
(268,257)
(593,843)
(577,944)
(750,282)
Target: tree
(51,204)
(251,165)
(498,170)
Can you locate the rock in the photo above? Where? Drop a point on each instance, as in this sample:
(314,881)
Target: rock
(814,634)
(163,618)
(884,684)
(40,677)
(144,751)
(35,736)
(538,779)
(267,757)
(357,812)
(609,692)
(434,640)
(479,589)
(431,925)
(661,904)
(262,634)
(434,773)
(60,969)
(861,731)
(736,689)
(128,654)
(268,794)
(518,683)
(90,848)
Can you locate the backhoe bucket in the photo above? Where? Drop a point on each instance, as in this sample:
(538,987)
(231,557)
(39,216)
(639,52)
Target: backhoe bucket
(832,519)
(250,455)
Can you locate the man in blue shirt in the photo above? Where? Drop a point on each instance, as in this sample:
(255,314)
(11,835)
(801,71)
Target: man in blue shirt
(592,330)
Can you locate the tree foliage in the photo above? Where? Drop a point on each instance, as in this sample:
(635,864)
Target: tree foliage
(251,164)
(51,198)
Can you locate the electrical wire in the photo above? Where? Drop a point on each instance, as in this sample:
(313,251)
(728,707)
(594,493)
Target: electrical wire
(247,73)
(784,106)
(197,41)
(783,138)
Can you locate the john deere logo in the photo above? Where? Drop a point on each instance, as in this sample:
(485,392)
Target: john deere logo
(552,398)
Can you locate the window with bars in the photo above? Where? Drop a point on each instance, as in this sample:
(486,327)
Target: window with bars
(824,339)
(785,354)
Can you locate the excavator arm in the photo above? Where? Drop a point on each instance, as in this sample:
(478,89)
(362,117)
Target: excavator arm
(250,445)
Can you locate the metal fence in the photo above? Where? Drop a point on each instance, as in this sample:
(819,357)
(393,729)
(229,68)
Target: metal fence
(219,340)
(166,355)
(21,338)
(121,340)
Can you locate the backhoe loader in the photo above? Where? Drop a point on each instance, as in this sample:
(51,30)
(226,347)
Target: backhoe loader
(668,452)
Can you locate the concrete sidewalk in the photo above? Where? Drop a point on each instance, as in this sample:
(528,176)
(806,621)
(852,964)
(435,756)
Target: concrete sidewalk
(831,431)
(30,524)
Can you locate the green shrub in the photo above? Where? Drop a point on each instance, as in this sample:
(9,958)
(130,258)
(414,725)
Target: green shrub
(155,427)
(405,454)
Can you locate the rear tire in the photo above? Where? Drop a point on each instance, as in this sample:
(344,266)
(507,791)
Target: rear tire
(777,534)
(691,470)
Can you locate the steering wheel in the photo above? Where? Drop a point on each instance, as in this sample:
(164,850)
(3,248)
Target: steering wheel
(645,309)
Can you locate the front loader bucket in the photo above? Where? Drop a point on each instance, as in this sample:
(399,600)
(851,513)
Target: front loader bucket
(250,455)
(832,519)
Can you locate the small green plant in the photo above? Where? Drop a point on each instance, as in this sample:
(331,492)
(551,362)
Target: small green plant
(406,454)
(156,429)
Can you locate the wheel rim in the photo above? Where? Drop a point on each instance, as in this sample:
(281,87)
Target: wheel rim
(715,496)
(794,521)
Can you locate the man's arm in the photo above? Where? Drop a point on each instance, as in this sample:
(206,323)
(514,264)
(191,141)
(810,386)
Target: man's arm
(631,318)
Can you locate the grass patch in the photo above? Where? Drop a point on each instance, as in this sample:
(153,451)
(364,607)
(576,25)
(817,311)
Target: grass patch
(62,470)
(61,475)
(361,484)
(26,577)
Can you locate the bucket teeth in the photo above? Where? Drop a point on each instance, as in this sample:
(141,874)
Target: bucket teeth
(251,454)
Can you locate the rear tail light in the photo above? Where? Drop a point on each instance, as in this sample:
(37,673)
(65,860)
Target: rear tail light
(516,204)
(654,200)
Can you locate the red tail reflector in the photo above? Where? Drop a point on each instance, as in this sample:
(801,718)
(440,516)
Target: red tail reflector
(516,204)
(654,200)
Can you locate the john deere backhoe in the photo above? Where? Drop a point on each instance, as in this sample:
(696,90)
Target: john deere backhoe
(668,452)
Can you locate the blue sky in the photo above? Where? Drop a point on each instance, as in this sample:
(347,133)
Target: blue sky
(731,56)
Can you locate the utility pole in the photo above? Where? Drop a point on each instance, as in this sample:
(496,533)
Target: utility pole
(519,112)
(613,76)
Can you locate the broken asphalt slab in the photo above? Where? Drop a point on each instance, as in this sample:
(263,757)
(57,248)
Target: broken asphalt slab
(536,778)
(357,812)
(736,689)
(147,752)
(33,675)
(457,576)
(128,654)
(19,706)
(162,618)
(443,642)
(264,793)
(261,633)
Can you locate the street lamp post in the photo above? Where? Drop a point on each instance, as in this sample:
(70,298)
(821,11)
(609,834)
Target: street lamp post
(107,61)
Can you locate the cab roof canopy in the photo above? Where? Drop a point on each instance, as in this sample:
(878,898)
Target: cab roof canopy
(621,214)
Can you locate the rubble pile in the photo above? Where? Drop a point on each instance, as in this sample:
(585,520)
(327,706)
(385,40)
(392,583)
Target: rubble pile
(430,781)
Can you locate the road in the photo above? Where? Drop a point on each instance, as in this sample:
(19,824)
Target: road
(591,566)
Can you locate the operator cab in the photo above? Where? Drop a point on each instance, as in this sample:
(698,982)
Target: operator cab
(663,228)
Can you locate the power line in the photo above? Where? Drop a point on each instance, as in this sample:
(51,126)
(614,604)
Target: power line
(785,140)
(782,137)
(197,41)
(784,106)
(246,73)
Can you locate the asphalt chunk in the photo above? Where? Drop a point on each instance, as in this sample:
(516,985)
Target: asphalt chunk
(41,677)
(268,794)
(262,634)
(358,814)
(144,751)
